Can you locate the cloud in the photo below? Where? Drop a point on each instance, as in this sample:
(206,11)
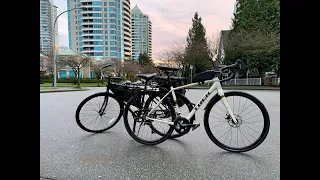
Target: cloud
(171,19)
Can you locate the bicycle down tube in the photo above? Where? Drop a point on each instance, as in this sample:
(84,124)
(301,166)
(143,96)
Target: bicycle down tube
(215,85)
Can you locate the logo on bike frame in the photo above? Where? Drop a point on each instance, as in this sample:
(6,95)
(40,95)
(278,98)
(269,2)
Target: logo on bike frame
(202,100)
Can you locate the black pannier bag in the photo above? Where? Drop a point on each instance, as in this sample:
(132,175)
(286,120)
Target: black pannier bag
(124,92)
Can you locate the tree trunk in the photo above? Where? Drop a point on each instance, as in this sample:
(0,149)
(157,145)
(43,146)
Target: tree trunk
(261,75)
(78,77)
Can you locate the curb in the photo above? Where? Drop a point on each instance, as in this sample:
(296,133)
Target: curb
(67,90)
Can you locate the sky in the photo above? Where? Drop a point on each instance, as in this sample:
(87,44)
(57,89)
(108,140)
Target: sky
(171,19)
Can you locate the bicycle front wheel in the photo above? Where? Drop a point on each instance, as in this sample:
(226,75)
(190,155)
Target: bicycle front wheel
(250,130)
(89,118)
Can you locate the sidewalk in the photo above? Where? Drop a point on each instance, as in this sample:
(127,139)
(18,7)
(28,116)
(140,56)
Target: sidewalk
(60,89)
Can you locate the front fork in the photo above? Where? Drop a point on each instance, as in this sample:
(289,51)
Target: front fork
(225,102)
(104,104)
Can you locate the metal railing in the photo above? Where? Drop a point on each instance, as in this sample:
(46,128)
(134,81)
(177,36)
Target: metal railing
(244,81)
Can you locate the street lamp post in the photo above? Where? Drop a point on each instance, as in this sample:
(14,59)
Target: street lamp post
(54,49)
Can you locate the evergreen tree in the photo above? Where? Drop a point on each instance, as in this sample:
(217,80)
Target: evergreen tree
(197,51)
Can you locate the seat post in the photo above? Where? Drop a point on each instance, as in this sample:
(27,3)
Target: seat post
(168,74)
(145,86)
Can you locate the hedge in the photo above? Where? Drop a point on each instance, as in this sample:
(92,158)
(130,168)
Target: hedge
(72,80)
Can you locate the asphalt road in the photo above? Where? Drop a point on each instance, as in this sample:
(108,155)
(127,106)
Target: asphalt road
(67,152)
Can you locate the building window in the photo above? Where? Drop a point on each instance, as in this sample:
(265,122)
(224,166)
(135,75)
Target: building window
(96,9)
(113,53)
(113,43)
(112,9)
(106,42)
(112,4)
(112,32)
(113,48)
(112,20)
(97,26)
(97,54)
(97,37)
(98,48)
(97,20)
(97,31)
(96,15)
(96,3)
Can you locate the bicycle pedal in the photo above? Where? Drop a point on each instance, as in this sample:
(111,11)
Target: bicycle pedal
(195,126)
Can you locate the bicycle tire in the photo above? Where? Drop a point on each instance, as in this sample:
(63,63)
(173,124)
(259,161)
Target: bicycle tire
(132,132)
(114,120)
(189,105)
(264,130)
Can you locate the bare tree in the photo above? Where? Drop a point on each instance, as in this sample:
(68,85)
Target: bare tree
(43,67)
(174,55)
(213,46)
(131,68)
(118,66)
(95,67)
(148,68)
(76,63)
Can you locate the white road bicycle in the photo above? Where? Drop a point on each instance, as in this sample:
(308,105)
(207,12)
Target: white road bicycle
(234,120)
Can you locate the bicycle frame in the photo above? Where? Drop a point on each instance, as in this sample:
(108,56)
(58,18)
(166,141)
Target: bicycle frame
(215,86)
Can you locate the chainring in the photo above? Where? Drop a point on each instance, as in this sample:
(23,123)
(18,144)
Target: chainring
(179,125)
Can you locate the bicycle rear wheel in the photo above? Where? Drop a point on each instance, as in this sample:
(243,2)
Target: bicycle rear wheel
(88,117)
(185,108)
(142,129)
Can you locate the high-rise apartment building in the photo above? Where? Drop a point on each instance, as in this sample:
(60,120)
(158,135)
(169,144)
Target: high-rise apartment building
(141,33)
(48,13)
(101,28)
(56,35)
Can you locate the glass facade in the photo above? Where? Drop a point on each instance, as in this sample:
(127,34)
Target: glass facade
(141,33)
(101,28)
(48,13)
